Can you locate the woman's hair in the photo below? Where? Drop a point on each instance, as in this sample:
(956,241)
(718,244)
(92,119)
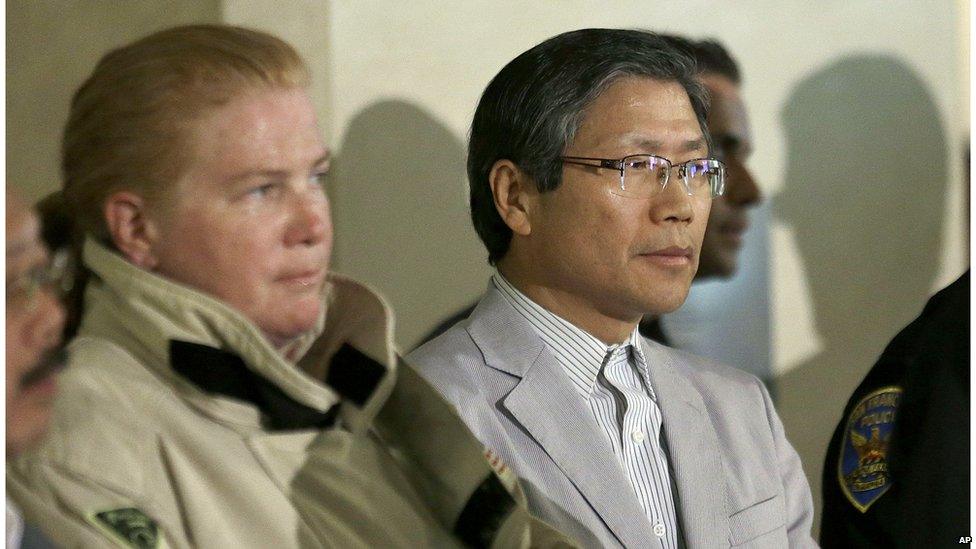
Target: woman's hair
(129,122)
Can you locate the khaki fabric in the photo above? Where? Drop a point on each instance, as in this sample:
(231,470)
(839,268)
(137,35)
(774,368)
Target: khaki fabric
(136,453)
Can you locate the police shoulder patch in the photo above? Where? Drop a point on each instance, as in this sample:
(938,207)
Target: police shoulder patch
(129,527)
(862,467)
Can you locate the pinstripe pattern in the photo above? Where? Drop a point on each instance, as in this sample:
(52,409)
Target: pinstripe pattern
(614,381)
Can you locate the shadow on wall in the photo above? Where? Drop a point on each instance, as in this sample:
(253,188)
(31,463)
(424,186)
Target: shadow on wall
(400,206)
(864,193)
(728,319)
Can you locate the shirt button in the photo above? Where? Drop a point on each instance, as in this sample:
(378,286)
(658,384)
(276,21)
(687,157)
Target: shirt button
(637,436)
(659,530)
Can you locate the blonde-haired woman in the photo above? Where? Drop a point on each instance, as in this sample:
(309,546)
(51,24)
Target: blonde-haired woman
(224,389)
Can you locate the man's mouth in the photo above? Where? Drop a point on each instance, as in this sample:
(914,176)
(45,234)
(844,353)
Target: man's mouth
(51,362)
(670,256)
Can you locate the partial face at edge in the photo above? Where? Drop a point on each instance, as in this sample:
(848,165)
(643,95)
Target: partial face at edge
(728,123)
(249,222)
(34,329)
(624,256)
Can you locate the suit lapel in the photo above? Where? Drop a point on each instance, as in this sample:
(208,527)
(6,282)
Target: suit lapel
(545,403)
(693,451)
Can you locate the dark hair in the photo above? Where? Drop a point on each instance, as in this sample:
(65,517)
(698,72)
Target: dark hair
(709,55)
(532,109)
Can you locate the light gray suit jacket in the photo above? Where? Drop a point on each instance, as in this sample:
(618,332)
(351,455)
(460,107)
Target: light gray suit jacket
(738,480)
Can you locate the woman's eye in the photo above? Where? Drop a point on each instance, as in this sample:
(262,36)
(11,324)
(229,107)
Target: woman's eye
(262,191)
(320,178)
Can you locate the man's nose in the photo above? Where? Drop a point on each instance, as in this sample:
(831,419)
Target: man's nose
(673,203)
(46,324)
(740,188)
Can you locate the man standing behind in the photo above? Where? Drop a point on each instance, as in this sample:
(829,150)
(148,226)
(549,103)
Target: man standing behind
(35,318)
(728,124)
(591,182)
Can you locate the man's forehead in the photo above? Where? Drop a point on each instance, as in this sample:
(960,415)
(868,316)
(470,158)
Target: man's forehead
(686,141)
(643,114)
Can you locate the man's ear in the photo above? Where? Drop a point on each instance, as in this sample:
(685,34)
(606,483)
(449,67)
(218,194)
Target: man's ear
(514,195)
(130,228)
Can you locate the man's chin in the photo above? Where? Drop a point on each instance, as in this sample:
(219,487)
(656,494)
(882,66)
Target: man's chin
(720,266)
(663,303)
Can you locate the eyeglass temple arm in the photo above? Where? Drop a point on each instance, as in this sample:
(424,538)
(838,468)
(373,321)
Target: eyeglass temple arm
(600,162)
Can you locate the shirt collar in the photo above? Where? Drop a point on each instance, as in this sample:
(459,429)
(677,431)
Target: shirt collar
(580,353)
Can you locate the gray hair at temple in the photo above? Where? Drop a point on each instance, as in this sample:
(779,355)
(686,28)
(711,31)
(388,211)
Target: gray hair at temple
(531,110)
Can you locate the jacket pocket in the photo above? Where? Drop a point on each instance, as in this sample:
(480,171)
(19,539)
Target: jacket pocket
(756,520)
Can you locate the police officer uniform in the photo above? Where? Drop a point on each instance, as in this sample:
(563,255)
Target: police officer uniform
(178,425)
(897,469)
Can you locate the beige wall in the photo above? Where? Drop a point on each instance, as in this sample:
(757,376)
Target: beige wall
(396,84)
(303,23)
(52,46)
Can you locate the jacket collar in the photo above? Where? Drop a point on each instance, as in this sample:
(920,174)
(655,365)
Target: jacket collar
(693,450)
(579,352)
(143,312)
(503,335)
(545,403)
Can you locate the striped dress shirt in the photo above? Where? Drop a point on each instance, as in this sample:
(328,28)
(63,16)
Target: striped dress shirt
(613,381)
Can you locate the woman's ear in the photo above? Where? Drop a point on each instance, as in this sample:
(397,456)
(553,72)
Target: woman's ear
(130,228)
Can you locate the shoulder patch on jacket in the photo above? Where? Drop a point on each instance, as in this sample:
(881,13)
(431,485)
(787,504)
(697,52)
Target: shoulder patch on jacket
(129,527)
(862,468)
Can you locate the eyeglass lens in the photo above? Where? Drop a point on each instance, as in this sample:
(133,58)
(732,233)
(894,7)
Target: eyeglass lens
(646,175)
(57,275)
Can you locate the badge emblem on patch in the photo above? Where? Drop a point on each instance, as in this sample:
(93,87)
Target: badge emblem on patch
(863,465)
(128,526)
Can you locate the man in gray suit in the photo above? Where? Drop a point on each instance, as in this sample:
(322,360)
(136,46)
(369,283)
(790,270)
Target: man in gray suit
(591,182)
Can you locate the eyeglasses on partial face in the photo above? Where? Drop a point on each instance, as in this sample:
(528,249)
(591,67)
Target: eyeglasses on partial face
(57,276)
(645,175)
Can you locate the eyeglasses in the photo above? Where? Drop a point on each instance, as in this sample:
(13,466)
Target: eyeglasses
(57,276)
(645,175)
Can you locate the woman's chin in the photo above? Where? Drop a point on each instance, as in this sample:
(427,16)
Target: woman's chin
(292,324)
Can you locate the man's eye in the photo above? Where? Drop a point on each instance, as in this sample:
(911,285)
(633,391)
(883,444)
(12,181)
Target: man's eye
(636,164)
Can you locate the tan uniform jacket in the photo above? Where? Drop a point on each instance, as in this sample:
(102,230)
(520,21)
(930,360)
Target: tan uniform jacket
(141,456)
